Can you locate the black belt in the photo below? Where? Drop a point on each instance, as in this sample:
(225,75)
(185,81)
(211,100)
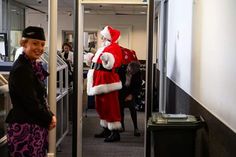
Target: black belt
(98,66)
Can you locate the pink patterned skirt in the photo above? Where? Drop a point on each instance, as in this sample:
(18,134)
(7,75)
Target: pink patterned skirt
(27,140)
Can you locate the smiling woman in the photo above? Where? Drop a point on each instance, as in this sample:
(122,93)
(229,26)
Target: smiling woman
(33,42)
(30,118)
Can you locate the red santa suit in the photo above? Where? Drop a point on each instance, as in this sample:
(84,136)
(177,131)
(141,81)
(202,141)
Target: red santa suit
(103,80)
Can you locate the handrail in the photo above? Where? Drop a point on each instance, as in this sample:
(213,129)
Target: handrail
(3,79)
(3,141)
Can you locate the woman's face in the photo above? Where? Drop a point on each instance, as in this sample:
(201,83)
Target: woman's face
(34,48)
(66,48)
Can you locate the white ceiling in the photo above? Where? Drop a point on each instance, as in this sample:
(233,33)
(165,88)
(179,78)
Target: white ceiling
(65,6)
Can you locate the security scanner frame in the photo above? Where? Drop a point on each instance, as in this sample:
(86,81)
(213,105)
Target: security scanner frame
(62,98)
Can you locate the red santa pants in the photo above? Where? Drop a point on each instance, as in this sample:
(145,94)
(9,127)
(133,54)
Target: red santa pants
(107,106)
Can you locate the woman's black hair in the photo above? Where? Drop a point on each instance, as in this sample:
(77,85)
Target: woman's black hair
(66,44)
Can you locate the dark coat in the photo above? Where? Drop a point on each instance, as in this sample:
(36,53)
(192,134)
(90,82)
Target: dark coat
(28,96)
(135,84)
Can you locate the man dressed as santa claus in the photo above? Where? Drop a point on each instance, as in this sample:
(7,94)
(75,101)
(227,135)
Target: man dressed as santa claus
(103,81)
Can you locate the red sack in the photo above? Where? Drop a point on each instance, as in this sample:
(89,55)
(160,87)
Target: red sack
(128,55)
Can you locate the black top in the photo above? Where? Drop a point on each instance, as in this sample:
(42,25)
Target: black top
(135,84)
(28,96)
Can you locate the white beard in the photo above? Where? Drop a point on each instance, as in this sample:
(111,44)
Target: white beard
(106,43)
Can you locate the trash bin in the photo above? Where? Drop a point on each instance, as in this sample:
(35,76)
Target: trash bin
(174,134)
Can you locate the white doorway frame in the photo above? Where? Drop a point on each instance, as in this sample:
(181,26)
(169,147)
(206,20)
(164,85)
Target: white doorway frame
(81,5)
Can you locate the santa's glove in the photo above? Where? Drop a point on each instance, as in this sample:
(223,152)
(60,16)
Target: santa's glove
(88,58)
(108,60)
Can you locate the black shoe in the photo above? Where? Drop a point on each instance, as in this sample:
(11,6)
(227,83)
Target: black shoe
(136,132)
(115,136)
(104,134)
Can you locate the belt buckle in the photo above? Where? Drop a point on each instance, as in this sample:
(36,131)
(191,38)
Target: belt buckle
(98,66)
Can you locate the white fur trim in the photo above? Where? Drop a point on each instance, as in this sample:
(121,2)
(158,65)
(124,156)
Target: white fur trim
(108,60)
(88,58)
(90,73)
(114,125)
(103,123)
(106,33)
(106,43)
(103,88)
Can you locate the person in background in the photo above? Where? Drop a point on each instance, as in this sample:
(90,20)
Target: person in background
(130,76)
(68,56)
(30,119)
(67,53)
(103,81)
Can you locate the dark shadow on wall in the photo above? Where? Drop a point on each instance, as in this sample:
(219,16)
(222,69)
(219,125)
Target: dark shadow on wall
(213,140)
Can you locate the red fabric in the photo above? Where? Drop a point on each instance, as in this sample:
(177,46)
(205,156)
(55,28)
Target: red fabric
(105,77)
(115,34)
(105,85)
(107,106)
(128,55)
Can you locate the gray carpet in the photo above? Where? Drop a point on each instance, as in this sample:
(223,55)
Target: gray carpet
(129,146)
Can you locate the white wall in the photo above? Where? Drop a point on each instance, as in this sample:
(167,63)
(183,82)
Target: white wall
(179,42)
(138,24)
(207,72)
(65,22)
(94,22)
(1,15)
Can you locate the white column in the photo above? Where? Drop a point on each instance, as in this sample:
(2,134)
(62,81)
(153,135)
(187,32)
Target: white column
(162,60)
(52,45)
(1,14)
(80,77)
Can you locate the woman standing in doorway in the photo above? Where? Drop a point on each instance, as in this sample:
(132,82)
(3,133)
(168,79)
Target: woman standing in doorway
(30,118)
(68,56)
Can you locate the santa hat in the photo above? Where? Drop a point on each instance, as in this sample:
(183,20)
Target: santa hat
(111,34)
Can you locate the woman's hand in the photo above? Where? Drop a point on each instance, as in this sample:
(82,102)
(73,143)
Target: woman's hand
(129,97)
(53,123)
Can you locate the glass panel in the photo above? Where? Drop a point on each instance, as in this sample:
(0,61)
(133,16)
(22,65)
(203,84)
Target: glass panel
(59,120)
(65,114)
(5,104)
(15,37)
(90,42)
(3,46)
(115,1)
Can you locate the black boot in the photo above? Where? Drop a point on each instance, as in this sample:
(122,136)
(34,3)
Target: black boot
(115,136)
(104,134)
(136,132)
(122,129)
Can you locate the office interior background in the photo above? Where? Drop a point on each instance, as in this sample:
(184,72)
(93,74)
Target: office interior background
(200,53)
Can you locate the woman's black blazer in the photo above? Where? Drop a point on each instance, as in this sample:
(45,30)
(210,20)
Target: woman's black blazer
(28,95)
